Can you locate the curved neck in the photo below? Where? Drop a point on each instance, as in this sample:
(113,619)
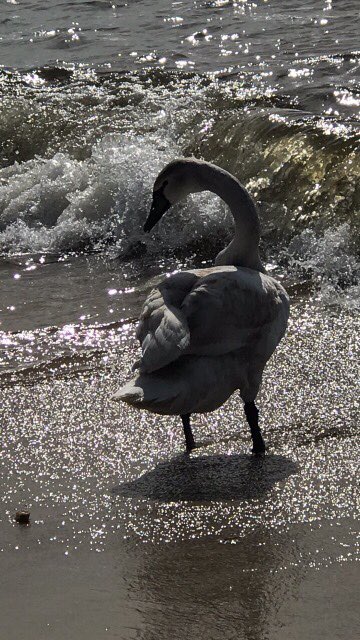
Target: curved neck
(243,250)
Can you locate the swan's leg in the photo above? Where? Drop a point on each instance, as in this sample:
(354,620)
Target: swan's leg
(252,416)
(189,438)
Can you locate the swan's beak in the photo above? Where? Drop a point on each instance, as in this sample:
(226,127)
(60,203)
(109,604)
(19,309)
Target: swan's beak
(160,204)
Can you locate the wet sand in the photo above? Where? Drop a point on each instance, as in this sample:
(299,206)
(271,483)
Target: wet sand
(131,538)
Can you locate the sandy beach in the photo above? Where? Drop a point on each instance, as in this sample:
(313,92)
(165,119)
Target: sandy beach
(132,538)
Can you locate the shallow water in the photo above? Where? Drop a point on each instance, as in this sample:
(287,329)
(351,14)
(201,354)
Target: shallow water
(129,537)
(142,539)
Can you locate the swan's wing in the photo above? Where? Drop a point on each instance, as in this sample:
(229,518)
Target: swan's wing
(163,330)
(227,311)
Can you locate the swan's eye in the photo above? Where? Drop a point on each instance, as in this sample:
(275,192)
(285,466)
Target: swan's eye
(165,183)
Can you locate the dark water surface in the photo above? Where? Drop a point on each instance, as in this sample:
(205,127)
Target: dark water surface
(129,538)
(200,34)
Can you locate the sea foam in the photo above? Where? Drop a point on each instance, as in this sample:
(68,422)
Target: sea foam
(62,204)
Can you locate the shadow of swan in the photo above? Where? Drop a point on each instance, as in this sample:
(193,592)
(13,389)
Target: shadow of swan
(208,478)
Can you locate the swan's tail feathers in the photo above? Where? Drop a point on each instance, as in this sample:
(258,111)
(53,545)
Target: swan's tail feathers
(149,392)
(129,393)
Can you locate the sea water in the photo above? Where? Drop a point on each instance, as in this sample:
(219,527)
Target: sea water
(96,97)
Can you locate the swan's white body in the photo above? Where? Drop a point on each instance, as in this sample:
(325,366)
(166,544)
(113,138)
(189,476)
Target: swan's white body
(204,334)
(207,332)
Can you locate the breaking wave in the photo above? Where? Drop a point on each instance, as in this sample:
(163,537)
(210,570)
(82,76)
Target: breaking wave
(64,205)
(81,153)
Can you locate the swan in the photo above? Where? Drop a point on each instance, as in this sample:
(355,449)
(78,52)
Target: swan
(205,333)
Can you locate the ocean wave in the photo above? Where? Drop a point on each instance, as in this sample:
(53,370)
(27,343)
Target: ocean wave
(302,179)
(330,261)
(304,171)
(62,204)
(81,151)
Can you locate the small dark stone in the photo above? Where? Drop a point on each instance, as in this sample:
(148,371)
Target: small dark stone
(22,517)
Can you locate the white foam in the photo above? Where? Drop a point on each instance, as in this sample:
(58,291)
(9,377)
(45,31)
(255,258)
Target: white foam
(330,261)
(59,204)
(56,204)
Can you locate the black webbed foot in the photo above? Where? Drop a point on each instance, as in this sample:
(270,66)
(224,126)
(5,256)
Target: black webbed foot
(200,444)
(259,450)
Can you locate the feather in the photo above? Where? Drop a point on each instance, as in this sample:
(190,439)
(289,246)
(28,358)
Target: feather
(163,329)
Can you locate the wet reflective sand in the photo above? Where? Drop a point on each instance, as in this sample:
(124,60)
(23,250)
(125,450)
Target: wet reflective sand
(131,538)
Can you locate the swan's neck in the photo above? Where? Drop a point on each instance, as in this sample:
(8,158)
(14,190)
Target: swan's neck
(243,250)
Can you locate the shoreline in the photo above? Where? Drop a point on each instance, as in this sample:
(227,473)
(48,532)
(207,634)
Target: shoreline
(123,523)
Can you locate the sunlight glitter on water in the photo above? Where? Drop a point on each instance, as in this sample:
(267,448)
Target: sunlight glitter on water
(78,457)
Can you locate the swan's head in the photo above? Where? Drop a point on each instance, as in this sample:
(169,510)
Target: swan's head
(174,183)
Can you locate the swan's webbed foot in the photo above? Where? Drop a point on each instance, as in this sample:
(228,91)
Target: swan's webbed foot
(252,416)
(200,444)
(260,449)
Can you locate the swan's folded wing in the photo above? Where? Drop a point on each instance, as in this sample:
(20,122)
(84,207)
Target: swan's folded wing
(163,330)
(227,311)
